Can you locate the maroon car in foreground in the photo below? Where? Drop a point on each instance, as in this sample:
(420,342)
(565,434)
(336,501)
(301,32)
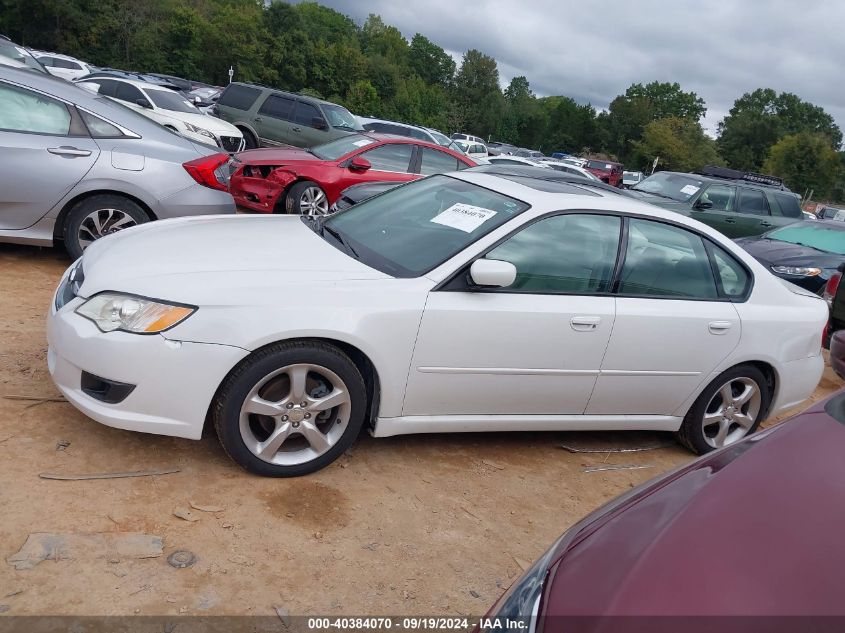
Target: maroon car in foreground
(754,529)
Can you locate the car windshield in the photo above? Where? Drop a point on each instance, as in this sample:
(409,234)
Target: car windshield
(599,164)
(813,234)
(341,146)
(342,118)
(173,101)
(679,187)
(463,145)
(444,140)
(412,229)
(21,55)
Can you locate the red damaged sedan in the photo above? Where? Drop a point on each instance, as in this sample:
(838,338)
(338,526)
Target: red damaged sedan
(309,181)
(753,529)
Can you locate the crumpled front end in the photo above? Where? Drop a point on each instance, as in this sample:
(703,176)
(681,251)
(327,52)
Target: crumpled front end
(259,188)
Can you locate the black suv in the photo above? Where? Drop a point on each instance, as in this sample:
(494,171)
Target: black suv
(737,203)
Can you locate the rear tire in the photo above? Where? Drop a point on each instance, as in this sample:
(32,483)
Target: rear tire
(729,409)
(290,409)
(98,216)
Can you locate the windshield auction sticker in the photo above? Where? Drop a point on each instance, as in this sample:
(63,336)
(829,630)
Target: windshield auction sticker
(464,217)
(689,190)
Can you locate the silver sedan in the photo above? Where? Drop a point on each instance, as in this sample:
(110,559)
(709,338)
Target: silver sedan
(75,166)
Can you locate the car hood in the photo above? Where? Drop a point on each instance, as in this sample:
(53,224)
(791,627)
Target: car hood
(744,531)
(776,253)
(179,259)
(276,156)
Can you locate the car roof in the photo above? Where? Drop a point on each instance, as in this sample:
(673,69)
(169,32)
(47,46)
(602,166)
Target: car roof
(733,181)
(57,56)
(284,92)
(144,85)
(526,172)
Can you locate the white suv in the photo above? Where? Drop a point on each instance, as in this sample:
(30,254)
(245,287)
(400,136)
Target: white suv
(63,66)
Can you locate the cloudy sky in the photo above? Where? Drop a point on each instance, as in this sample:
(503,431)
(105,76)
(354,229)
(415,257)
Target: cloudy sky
(593,50)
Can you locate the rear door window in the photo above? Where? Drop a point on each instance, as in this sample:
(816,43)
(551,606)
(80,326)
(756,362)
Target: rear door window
(753,202)
(395,157)
(25,111)
(666,261)
(278,107)
(107,87)
(437,162)
(239,97)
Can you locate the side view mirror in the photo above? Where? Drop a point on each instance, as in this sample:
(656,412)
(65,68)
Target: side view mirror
(492,273)
(358,163)
(701,205)
(143,103)
(319,123)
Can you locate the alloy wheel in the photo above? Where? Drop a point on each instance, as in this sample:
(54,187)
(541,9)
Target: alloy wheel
(732,412)
(313,202)
(295,414)
(103,222)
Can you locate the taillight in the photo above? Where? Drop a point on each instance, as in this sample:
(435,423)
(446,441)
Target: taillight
(210,171)
(831,287)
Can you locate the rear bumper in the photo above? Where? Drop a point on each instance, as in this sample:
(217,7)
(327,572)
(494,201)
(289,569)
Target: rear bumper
(796,382)
(195,200)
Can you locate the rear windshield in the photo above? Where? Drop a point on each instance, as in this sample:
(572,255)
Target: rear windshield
(238,97)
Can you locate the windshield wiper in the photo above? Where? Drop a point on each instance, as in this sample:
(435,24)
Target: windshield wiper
(322,229)
(654,193)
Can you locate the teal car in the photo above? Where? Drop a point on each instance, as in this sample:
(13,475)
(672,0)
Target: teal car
(736,203)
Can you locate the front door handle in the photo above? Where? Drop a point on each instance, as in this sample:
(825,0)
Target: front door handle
(257,119)
(766,224)
(584,323)
(730,221)
(719,327)
(296,129)
(66,150)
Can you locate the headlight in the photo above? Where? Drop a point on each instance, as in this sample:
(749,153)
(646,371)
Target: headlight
(798,271)
(113,311)
(199,130)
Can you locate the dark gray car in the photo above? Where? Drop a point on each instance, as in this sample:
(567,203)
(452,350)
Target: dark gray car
(75,166)
(270,117)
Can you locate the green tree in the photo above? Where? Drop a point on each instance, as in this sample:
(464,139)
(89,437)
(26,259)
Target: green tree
(363,98)
(477,93)
(759,119)
(806,161)
(679,142)
(628,114)
(433,64)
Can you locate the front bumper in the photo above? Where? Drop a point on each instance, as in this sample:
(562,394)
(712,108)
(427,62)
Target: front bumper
(174,381)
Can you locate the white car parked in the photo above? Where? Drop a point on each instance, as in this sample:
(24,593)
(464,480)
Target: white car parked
(63,66)
(171,109)
(461,302)
(569,168)
(508,159)
(473,150)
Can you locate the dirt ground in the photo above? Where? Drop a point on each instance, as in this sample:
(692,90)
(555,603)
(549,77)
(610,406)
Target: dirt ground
(428,525)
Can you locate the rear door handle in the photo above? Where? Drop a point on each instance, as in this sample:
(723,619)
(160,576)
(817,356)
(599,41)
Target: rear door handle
(257,119)
(65,150)
(297,129)
(585,323)
(720,327)
(766,224)
(730,221)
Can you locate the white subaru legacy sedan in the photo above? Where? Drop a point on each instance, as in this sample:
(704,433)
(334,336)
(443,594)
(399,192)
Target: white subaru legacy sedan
(461,302)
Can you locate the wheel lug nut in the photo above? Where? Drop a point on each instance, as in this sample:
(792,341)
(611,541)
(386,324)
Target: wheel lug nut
(307,416)
(296,425)
(304,404)
(284,418)
(289,405)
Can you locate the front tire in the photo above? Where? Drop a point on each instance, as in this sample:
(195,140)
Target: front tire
(98,216)
(729,409)
(250,142)
(290,409)
(306,198)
